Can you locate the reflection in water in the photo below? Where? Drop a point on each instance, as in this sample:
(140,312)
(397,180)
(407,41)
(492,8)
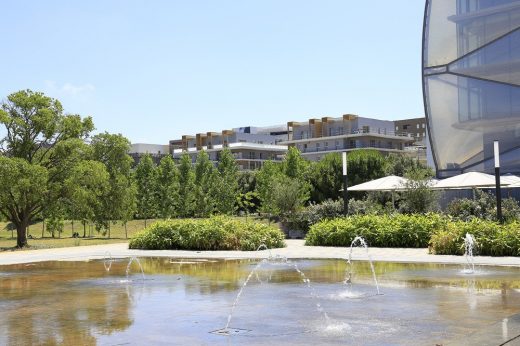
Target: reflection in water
(82,303)
(48,304)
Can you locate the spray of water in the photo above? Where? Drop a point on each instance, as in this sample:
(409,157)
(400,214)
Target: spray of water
(348,277)
(128,267)
(264,247)
(107,261)
(277,260)
(306,281)
(469,245)
(237,298)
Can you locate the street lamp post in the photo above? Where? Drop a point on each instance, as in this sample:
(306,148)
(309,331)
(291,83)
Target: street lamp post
(345,184)
(497,181)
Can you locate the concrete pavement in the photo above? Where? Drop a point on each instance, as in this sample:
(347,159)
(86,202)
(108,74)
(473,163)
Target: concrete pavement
(295,250)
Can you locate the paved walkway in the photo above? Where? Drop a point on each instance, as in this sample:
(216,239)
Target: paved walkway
(295,250)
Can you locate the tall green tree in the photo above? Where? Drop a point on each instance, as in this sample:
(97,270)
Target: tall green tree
(326,178)
(120,200)
(294,165)
(402,165)
(288,196)
(23,188)
(88,186)
(227,183)
(247,199)
(40,147)
(167,188)
(418,196)
(186,203)
(265,179)
(365,165)
(146,183)
(205,189)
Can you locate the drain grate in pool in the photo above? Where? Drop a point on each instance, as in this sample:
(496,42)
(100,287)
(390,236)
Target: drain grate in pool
(230,331)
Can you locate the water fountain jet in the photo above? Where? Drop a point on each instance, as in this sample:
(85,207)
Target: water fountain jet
(348,277)
(469,245)
(134,259)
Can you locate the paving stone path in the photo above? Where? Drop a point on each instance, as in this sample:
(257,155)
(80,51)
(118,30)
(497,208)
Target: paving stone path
(295,250)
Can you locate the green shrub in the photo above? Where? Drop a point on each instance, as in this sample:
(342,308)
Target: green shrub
(378,230)
(491,238)
(484,207)
(373,204)
(305,218)
(216,233)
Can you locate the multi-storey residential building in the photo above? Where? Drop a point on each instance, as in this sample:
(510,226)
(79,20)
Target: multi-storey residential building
(251,146)
(416,128)
(157,151)
(317,137)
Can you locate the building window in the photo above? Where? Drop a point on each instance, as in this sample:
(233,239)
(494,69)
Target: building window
(397,128)
(423,126)
(352,144)
(372,143)
(406,127)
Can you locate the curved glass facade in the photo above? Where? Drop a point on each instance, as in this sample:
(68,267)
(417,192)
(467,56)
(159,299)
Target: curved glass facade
(471,81)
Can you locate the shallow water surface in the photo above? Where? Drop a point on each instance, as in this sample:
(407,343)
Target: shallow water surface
(183,301)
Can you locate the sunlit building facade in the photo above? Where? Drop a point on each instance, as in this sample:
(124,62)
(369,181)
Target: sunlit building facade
(471,81)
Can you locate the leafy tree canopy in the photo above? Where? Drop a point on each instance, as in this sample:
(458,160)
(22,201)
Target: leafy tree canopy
(40,147)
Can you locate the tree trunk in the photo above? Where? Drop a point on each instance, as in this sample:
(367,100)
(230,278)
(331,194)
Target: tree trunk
(43,227)
(84,229)
(21,234)
(108,229)
(72,226)
(126,232)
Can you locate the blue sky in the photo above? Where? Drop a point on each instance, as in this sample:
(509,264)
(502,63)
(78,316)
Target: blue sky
(155,70)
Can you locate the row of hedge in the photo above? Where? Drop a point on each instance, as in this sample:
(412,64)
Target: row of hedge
(216,233)
(397,230)
(442,235)
(491,238)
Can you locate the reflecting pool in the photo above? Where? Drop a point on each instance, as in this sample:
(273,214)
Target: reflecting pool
(188,301)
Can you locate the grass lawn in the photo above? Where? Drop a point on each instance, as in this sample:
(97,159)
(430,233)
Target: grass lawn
(117,235)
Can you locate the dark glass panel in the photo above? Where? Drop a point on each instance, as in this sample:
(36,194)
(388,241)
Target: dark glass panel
(499,61)
(455,28)
(466,115)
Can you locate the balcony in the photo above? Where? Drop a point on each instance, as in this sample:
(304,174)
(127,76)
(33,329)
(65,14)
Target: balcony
(393,147)
(358,132)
